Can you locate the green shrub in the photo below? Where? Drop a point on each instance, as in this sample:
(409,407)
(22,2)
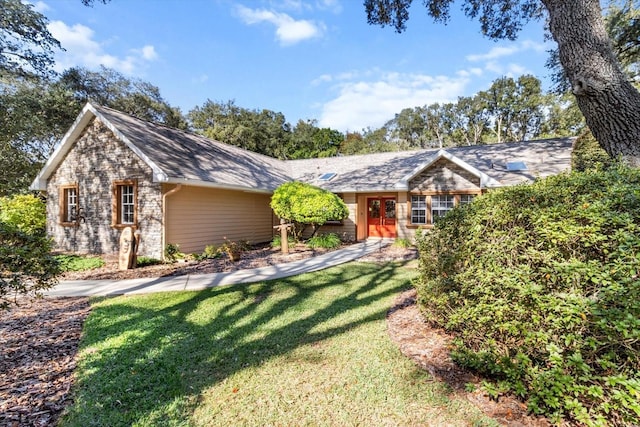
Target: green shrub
(540,284)
(402,242)
(143,261)
(588,155)
(24,211)
(26,264)
(209,252)
(78,262)
(172,252)
(326,241)
(304,204)
(276,242)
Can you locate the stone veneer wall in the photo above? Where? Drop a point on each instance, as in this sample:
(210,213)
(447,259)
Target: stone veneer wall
(444,175)
(97,159)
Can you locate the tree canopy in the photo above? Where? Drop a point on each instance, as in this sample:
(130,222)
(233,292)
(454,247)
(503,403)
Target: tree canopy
(36,114)
(607,99)
(26,46)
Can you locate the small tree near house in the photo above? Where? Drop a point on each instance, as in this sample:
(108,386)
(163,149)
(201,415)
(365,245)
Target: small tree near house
(306,205)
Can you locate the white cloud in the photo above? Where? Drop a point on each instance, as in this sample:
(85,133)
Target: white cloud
(475,71)
(325,78)
(332,5)
(40,7)
(508,50)
(82,50)
(493,60)
(494,53)
(149,53)
(509,70)
(288,30)
(363,103)
(202,78)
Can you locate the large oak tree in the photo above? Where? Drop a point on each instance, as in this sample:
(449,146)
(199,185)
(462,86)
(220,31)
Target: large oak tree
(607,99)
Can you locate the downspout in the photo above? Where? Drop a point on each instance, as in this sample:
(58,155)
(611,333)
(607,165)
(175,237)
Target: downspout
(174,190)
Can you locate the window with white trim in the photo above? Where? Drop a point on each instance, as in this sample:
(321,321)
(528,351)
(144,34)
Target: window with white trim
(426,209)
(418,209)
(69,204)
(465,199)
(440,205)
(125,200)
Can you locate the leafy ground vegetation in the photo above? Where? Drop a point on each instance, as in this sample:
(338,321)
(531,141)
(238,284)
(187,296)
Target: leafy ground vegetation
(540,284)
(26,264)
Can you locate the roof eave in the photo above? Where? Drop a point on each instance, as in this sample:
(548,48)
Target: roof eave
(209,184)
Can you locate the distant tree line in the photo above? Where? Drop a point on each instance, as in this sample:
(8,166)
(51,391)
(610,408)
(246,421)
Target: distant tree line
(38,106)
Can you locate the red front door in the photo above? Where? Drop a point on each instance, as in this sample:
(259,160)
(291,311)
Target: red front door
(381,217)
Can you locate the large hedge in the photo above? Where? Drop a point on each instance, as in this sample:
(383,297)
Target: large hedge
(540,285)
(587,154)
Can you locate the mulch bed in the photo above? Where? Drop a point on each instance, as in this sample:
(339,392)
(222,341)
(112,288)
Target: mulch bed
(38,342)
(429,349)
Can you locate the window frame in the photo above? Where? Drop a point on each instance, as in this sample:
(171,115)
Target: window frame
(64,214)
(429,219)
(446,209)
(117,204)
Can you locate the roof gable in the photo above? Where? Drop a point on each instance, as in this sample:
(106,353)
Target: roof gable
(485,180)
(175,156)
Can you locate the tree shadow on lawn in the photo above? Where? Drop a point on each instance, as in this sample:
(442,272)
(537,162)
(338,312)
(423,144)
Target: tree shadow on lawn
(148,359)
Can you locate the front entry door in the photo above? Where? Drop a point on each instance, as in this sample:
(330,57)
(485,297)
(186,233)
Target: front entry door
(381,217)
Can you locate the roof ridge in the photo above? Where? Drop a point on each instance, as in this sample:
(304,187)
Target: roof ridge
(187,132)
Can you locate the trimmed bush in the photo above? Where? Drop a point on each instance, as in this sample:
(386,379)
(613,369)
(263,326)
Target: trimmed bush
(326,241)
(304,204)
(540,285)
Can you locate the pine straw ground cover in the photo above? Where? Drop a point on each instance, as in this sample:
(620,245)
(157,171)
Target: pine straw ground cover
(309,351)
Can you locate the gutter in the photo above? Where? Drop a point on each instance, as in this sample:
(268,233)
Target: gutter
(164,217)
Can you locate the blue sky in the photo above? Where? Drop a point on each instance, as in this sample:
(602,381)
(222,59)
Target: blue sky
(309,59)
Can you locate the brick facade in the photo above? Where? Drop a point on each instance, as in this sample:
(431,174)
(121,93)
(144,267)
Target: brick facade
(95,162)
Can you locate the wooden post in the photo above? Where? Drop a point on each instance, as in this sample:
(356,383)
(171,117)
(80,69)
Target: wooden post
(284,241)
(134,253)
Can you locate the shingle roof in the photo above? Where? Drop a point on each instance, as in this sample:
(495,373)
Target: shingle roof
(186,157)
(384,171)
(176,156)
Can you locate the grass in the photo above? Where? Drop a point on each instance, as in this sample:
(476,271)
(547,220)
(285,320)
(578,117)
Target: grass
(78,262)
(308,350)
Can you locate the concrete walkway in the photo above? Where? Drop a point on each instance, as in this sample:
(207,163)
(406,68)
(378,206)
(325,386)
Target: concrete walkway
(193,282)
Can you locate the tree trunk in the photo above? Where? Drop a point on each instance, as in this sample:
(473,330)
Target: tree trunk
(608,101)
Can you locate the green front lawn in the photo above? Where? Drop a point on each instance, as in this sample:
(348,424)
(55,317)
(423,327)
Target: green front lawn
(308,350)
